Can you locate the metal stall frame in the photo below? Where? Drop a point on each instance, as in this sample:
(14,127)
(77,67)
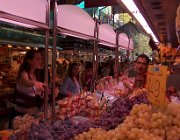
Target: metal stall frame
(95,56)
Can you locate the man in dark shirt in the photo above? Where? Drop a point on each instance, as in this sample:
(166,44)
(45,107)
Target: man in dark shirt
(138,72)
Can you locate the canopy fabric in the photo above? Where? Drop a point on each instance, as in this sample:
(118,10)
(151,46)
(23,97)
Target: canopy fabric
(107,35)
(33,10)
(74,21)
(131,44)
(123,40)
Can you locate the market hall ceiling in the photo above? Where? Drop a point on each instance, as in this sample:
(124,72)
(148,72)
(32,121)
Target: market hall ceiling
(160,15)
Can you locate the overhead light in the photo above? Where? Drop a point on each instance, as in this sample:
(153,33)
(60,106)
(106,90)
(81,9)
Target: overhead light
(23,52)
(10,46)
(28,48)
(36,48)
(135,11)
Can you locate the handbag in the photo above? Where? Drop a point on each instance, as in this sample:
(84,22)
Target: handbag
(24,100)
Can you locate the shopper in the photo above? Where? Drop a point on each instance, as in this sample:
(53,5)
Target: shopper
(175,68)
(27,86)
(71,85)
(41,73)
(87,77)
(138,72)
(106,70)
(172,95)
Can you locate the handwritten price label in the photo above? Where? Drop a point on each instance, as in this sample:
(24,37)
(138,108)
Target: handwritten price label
(156,84)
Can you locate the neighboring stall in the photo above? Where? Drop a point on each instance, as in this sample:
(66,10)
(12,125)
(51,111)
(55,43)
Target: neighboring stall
(107,37)
(36,19)
(71,20)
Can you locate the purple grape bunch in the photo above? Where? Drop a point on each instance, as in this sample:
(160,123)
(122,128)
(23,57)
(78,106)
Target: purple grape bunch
(58,130)
(118,112)
(67,129)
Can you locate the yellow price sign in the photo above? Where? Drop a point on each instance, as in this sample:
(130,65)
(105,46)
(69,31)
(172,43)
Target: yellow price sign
(156,84)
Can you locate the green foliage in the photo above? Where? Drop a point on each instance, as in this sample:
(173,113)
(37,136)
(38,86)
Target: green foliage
(124,17)
(141,44)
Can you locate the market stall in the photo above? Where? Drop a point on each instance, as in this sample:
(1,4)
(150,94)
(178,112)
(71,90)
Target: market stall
(36,19)
(71,20)
(107,112)
(107,37)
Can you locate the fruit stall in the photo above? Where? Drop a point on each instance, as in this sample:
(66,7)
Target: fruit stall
(109,113)
(114,110)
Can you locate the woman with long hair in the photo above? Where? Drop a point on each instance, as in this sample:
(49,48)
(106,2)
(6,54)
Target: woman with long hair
(71,84)
(27,86)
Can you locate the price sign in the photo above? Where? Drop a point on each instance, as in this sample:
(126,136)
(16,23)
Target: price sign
(156,84)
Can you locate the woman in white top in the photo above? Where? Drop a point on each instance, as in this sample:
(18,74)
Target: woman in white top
(27,86)
(172,94)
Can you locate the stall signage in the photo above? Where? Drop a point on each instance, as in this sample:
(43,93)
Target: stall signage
(156,84)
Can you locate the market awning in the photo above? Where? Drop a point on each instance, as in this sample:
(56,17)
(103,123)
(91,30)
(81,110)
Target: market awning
(123,40)
(27,13)
(107,35)
(74,21)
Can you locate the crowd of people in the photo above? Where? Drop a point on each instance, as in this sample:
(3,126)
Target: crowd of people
(76,76)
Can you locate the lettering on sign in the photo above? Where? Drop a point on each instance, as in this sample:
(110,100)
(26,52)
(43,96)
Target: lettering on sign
(156,84)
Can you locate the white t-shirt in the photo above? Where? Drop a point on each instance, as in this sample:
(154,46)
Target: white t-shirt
(174,99)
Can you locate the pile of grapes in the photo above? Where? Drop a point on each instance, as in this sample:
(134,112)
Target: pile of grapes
(59,130)
(118,112)
(66,129)
(144,122)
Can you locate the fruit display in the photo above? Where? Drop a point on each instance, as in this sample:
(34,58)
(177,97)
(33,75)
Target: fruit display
(5,134)
(24,122)
(110,85)
(74,105)
(92,134)
(59,130)
(67,129)
(128,118)
(145,122)
(137,92)
(118,112)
